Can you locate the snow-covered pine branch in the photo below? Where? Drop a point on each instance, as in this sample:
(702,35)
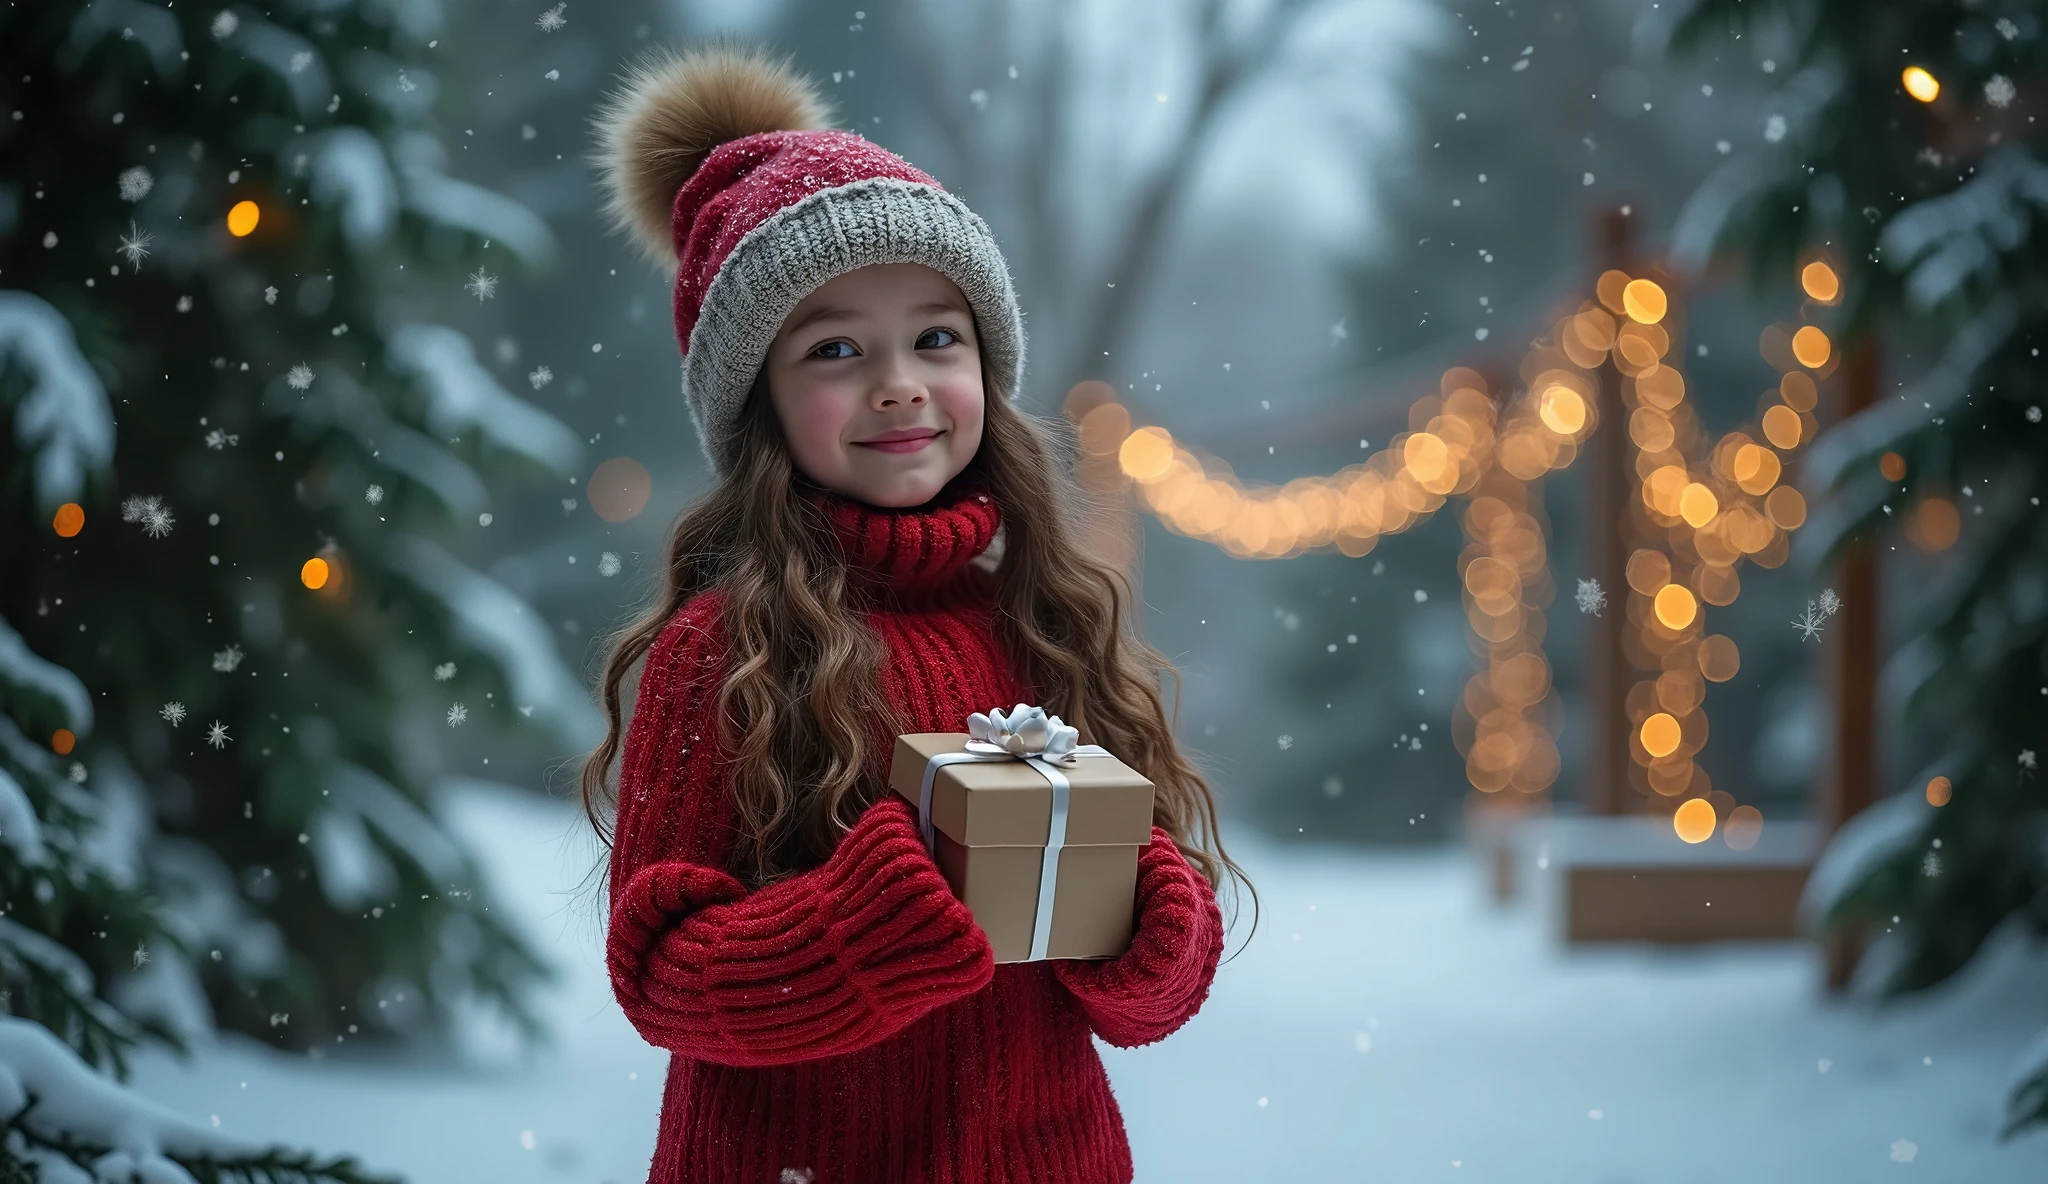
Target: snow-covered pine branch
(65,422)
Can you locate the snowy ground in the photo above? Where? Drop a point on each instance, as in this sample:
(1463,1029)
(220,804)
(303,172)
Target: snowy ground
(1387,1023)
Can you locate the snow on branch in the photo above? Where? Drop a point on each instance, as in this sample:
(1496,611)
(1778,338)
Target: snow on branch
(65,421)
(490,617)
(19,830)
(1960,235)
(349,170)
(289,56)
(148,25)
(434,195)
(1874,837)
(24,672)
(462,395)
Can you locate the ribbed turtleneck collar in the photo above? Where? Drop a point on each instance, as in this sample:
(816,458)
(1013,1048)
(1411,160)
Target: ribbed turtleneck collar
(917,550)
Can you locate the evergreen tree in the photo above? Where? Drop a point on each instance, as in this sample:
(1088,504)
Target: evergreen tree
(1923,175)
(234,614)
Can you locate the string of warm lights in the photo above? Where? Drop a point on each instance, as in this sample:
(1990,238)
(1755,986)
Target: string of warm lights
(1702,509)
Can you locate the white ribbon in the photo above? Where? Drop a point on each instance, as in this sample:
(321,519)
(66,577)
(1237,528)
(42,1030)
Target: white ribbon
(1047,745)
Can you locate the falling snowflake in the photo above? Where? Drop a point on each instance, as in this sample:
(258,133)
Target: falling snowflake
(301,60)
(135,183)
(1930,865)
(135,245)
(483,285)
(552,19)
(540,377)
(374,494)
(1809,625)
(1999,90)
(141,954)
(216,438)
(444,672)
(1830,604)
(173,712)
(226,660)
(568,505)
(456,714)
(608,563)
(217,735)
(2034,413)
(224,25)
(76,773)
(299,377)
(406,84)
(1286,742)
(1591,597)
(2006,28)
(1774,128)
(270,294)
(151,512)
(1903,1150)
(2026,758)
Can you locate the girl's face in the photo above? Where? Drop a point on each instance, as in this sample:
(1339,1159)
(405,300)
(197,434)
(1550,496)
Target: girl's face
(876,380)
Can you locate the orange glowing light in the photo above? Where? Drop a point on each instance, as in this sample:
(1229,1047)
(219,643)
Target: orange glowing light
(1781,427)
(1786,507)
(1660,735)
(1562,410)
(1893,466)
(1939,791)
(1820,282)
(69,521)
(1756,468)
(243,218)
(61,741)
(1644,301)
(1146,454)
(313,573)
(1798,391)
(619,488)
(1697,505)
(1935,525)
(1812,347)
(1920,84)
(1676,607)
(1694,820)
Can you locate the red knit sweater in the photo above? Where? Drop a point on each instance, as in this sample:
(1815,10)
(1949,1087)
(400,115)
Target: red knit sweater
(849,1025)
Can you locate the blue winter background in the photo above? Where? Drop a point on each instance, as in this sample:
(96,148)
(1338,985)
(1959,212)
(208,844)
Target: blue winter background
(1267,181)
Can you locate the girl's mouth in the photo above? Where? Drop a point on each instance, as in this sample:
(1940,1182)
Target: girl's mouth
(905,445)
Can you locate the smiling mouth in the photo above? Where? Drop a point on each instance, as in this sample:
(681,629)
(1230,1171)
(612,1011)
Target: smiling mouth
(908,444)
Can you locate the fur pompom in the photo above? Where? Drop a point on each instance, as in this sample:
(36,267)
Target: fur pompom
(674,110)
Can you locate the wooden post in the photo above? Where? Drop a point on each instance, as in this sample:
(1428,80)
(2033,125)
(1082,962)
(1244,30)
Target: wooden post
(1607,679)
(1850,672)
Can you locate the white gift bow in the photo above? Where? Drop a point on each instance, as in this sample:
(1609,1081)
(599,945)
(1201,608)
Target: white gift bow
(1045,743)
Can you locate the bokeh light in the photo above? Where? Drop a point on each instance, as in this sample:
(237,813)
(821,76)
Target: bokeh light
(1744,827)
(1820,282)
(69,520)
(1934,525)
(1694,820)
(619,488)
(62,741)
(1781,427)
(1146,454)
(1697,505)
(1718,658)
(1811,346)
(1644,301)
(1893,466)
(1676,607)
(1920,84)
(1939,790)
(1562,410)
(313,572)
(242,218)
(1660,735)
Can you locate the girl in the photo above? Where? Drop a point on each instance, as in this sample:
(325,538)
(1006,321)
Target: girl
(851,346)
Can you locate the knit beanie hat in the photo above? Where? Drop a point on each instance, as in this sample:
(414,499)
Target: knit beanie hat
(722,163)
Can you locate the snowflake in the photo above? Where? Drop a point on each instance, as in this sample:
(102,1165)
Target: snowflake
(374,494)
(226,660)
(155,517)
(216,438)
(406,84)
(270,294)
(1286,742)
(299,377)
(1930,865)
(1999,90)
(1809,625)
(444,672)
(1774,128)
(1591,597)
(135,244)
(483,285)
(224,24)
(76,773)
(174,712)
(568,505)
(2026,758)
(1903,1150)
(217,735)
(2006,28)
(135,183)
(456,714)
(301,60)
(2034,413)
(141,954)
(552,19)
(796,1176)
(608,563)
(1830,604)
(540,377)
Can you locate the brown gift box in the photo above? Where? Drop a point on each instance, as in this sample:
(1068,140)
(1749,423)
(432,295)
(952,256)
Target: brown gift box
(990,823)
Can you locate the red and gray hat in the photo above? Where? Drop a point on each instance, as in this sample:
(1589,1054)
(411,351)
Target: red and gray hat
(722,163)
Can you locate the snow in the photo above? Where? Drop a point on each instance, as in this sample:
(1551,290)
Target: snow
(19,830)
(488,616)
(463,394)
(21,669)
(1410,1024)
(148,25)
(430,191)
(349,170)
(64,421)
(289,56)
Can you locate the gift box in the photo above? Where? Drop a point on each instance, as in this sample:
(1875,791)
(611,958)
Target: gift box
(1049,870)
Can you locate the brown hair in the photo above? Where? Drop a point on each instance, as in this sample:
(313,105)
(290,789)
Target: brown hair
(801,672)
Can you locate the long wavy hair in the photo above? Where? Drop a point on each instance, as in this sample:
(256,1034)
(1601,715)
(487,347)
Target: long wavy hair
(801,674)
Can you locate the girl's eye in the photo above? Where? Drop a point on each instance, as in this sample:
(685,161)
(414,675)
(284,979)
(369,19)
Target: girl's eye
(829,345)
(940,329)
